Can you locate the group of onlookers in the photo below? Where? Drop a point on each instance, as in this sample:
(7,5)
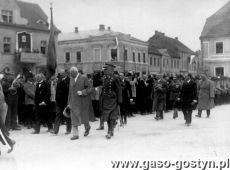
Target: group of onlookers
(34,101)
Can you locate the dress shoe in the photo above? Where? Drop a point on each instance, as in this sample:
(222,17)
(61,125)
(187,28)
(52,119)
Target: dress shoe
(87,131)
(198,115)
(12,147)
(108,136)
(35,132)
(17,128)
(100,128)
(66,133)
(74,138)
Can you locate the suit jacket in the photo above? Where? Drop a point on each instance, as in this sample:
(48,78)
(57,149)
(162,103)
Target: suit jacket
(62,92)
(29,89)
(42,93)
(188,94)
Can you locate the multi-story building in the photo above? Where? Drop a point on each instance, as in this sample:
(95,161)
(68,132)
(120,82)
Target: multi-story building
(174,56)
(24,34)
(215,43)
(89,50)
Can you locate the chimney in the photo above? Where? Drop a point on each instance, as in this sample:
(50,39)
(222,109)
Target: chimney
(76,29)
(159,33)
(109,28)
(101,27)
(176,38)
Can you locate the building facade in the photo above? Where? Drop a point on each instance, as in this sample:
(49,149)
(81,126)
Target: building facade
(24,34)
(215,43)
(171,55)
(89,50)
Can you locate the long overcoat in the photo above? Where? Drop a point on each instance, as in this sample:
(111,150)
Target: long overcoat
(205,95)
(188,95)
(81,106)
(111,97)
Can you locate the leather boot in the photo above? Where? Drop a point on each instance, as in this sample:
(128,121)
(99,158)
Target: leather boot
(199,113)
(208,113)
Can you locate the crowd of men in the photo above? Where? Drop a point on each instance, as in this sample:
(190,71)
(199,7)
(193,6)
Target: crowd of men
(33,101)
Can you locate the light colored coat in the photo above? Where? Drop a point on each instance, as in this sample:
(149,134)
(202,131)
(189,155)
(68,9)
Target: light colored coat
(81,106)
(205,95)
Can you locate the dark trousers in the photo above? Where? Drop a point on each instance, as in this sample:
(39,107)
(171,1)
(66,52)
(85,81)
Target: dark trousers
(11,117)
(58,120)
(124,113)
(42,115)
(187,116)
(159,114)
(29,115)
(207,111)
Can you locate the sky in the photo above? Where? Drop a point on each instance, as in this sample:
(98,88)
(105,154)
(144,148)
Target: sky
(184,19)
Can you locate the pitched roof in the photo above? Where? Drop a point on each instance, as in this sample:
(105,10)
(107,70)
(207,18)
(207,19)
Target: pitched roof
(218,24)
(71,36)
(85,34)
(173,46)
(33,13)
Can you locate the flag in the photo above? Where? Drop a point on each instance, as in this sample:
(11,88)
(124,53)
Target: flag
(51,52)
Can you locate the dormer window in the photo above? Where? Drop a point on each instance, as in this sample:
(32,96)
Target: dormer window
(41,22)
(7,16)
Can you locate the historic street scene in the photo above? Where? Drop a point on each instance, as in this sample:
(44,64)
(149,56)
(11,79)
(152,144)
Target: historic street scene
(114,84)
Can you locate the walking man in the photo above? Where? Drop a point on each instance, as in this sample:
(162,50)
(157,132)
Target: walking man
(80,103)
(111,98)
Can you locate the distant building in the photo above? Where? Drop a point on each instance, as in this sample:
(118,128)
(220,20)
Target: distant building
(169,55)
(89,50)
(215,42)
(24,34)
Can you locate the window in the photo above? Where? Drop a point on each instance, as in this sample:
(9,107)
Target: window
(154,62)
(97,54)
(7,16)
(125,55)
(151,61)
(167,62)
(172,63)
(164,62)
(134,59)
(113,54)
(6,45)
(158,62)
(67,57)
(219,71)
(177,64)
(143,57)
(139,57)
(219,48)
(43,47)
(78,56)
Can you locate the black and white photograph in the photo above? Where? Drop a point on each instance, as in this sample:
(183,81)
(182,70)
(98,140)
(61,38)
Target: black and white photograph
(114,84)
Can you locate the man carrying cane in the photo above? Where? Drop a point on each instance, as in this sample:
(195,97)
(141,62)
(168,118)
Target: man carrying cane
(4,134)
(111,98)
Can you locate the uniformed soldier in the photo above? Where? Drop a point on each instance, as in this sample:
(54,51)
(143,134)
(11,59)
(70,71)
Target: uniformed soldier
(111,98)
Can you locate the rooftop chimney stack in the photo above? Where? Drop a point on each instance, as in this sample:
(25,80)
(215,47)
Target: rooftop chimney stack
(101,27)
(109,28)
(76,29)
(176,38)
(159,33)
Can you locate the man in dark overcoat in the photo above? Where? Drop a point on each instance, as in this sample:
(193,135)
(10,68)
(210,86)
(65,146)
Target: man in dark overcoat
(62,91)
(80,103)
(188,98)
(159,96)
(126,96)
(111,98)
(42,103)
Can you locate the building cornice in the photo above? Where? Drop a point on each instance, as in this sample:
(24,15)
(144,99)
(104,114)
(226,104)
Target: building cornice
(27,27)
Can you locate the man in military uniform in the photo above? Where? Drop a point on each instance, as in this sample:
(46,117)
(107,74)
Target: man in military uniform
(111,98)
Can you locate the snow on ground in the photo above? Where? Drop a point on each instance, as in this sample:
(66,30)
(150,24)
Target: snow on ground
(142,139)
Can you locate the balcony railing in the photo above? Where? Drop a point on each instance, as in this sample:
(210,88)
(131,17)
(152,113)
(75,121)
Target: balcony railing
(30,57)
